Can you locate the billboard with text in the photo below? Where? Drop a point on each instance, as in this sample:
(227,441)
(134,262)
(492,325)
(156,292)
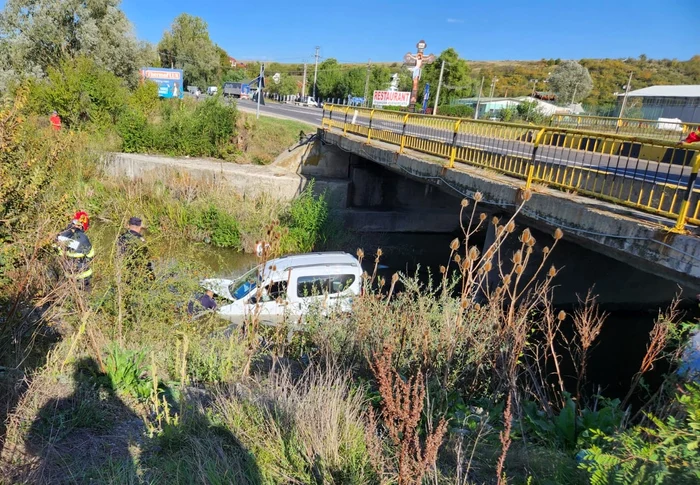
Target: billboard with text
(169,81)
(391,98)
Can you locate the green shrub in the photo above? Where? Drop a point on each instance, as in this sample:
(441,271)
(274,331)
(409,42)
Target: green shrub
(185,128)
(125,369)
(221,226)
(664,452)
(571,427)
(81,92)
(306,221)
(135,132)
(144,98)
(459,111)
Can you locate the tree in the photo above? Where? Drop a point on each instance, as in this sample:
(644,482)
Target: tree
(81,92)
(353,83)
(456,82)
(38,34)
(233,75)
(187,46)
(287,85)
(379,79)
(570,81)
(328,79)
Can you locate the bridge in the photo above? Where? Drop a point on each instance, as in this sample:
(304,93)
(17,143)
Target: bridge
(629,198)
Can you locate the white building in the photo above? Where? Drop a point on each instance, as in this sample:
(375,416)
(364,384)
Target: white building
(491,107)
(680,101)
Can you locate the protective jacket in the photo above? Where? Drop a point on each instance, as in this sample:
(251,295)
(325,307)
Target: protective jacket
(75,246)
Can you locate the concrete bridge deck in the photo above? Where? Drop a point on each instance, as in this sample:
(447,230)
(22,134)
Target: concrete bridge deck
(637,238)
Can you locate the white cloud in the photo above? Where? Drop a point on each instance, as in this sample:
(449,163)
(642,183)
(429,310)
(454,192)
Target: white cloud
(455,21)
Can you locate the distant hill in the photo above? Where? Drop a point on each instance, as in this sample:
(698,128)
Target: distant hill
(514,77)
(609,75)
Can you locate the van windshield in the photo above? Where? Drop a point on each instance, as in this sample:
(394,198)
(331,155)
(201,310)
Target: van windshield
(243,285)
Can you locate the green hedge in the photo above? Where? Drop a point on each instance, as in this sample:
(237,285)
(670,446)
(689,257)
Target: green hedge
(184,128)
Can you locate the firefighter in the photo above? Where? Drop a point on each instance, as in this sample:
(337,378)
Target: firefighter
(76,249)
(132,247)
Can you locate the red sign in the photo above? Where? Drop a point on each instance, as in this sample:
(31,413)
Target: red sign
(391,98)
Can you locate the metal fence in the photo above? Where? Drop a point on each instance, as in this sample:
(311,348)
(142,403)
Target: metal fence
(663,130)
(652,175)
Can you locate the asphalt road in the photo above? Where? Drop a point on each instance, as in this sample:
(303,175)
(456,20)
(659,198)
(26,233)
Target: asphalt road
(621,166)
(312,116)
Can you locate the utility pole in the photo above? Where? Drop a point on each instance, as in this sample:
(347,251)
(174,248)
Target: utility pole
(624,100)
(315,72)
(493,86)
(437,94)
(260,80)
(478,100)
(534,86)
(303,84)
(369,68)
(573,96)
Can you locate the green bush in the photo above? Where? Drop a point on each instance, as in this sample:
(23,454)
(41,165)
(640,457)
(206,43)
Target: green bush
(81,92)
(221,226)
(144,99)
(572,427)
(185,128)
(125,369)
(664,452)
(134,130)
(306,220)
(458,111)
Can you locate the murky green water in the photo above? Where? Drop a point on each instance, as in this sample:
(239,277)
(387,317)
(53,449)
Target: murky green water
(217,262)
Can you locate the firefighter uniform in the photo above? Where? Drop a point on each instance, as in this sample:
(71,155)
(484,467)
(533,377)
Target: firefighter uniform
(76,249)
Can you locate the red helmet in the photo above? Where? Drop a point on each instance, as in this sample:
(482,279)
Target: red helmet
(81,219)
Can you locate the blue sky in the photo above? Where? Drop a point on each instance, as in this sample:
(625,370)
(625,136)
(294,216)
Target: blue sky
(356,30)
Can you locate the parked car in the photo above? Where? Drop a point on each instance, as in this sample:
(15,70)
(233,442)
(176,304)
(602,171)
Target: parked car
(287,289)
(212,90)
(306,101)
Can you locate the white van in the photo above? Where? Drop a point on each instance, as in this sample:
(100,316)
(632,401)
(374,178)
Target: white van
(288,288)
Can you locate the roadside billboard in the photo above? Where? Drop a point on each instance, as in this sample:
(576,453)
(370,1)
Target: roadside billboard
(169,81)
(391,98)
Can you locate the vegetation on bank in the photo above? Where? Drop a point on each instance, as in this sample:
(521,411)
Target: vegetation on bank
(439,382)
(89,98)
(447,381)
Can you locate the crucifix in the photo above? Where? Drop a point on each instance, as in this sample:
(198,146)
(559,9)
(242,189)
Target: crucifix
(417,60)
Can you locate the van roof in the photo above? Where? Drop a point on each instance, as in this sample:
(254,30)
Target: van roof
(311,259)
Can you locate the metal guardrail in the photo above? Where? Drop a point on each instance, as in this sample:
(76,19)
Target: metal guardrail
(663,130)
(648,174)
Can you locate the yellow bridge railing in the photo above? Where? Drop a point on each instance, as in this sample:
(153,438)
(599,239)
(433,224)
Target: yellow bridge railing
(663,130)
(648,174)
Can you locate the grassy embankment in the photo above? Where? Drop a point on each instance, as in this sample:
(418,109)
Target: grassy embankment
(440,383)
